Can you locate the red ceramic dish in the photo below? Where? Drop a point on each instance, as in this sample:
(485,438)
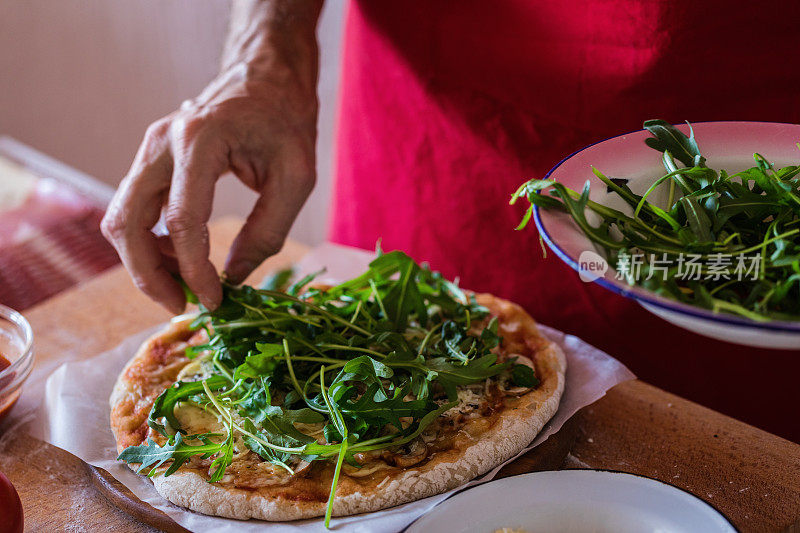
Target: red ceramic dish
(11,519)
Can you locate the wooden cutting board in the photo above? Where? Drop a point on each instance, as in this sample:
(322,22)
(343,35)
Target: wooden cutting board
(751,476)
(122,498)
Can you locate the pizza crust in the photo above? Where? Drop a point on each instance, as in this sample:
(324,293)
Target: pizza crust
(515,428)
(154,368)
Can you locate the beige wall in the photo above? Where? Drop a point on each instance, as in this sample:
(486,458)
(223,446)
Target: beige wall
(81,79)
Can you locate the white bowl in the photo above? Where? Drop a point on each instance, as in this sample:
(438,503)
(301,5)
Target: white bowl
(726,145)
(574,501)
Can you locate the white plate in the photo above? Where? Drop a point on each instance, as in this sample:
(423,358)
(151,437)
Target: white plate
(726,145)
(573,501)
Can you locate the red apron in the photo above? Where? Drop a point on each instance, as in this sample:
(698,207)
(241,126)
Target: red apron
(446,107)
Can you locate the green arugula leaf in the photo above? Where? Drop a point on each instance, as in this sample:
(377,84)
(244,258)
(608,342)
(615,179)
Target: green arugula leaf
(699,222)
(151,456)
(475,370)
(668,138)
(277,281)
(523,376)
(165,403)
(262,363)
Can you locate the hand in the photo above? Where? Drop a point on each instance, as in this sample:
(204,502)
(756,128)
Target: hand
(264,131)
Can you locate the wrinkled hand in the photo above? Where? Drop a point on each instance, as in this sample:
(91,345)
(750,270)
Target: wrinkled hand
(265,133)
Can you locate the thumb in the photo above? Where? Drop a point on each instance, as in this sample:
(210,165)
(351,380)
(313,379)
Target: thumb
(262,236)
(265,230)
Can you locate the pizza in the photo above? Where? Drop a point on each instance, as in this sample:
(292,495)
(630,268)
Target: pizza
(388,388)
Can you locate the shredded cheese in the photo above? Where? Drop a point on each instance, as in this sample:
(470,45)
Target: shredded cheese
(470,399)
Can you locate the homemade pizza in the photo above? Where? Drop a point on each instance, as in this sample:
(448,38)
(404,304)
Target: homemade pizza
(388,388)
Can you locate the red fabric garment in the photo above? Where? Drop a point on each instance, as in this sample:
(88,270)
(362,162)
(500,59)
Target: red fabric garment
(447,107)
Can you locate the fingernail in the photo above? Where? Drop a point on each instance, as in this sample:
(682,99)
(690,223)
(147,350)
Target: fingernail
(175,308)
(212,298)
(229,278)
(211,303)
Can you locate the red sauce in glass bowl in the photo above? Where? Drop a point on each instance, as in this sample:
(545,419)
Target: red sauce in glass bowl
(16,357)
(6,401)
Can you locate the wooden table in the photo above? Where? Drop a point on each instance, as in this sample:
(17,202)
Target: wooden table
(751,476)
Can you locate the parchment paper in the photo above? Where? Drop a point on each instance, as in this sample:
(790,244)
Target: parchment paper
(74,416)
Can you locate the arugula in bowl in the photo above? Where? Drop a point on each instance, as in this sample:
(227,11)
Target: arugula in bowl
(747,221)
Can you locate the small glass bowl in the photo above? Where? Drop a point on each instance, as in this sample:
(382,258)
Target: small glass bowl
(16,347)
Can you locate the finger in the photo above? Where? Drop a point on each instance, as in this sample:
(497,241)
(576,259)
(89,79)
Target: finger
(133,211)
(265,230)
(168,258)
(198,164)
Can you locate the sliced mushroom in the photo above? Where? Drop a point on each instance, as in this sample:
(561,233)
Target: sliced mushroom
(406,421)
(428,436)
(301,467)
(264,474)
(416,453)
(311,429)
(363,458)
(354,471)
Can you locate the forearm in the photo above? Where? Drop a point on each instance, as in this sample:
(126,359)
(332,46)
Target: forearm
(271,39)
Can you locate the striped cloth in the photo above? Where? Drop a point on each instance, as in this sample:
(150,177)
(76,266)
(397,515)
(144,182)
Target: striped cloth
(49,242)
